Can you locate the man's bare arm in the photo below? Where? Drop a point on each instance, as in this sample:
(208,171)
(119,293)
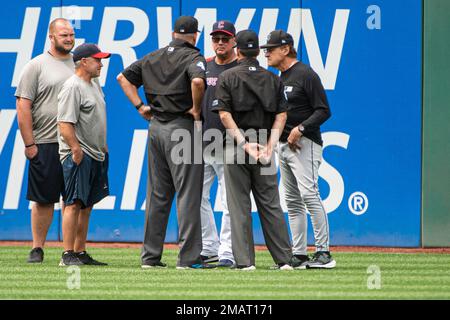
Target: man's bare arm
(25,121)
(198,91)
(67,131)
(132,94)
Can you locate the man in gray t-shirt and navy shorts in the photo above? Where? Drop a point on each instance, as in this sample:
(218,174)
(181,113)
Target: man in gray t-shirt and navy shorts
(83,150)
(36,93)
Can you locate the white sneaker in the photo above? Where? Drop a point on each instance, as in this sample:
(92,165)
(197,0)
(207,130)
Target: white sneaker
(249,268)
(286,267)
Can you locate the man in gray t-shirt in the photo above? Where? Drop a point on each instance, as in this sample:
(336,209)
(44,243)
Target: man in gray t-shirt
(83,150)
(36,103)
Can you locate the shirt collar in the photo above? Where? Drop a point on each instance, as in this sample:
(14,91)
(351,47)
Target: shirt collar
(249,62)
(182,43)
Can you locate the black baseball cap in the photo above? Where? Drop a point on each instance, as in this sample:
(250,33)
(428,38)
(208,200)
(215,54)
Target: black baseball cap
(224,26)
(278,38)
(186,24)
(247,40)
(87,50)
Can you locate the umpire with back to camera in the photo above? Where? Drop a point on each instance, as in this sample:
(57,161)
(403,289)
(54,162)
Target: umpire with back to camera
(174,83)
(248,97)
(300,149)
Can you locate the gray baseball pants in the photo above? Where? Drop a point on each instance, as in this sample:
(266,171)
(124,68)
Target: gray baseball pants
(240,179)
(165,178)
(299,175)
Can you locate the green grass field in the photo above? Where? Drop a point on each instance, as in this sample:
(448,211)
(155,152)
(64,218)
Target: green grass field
(403,276)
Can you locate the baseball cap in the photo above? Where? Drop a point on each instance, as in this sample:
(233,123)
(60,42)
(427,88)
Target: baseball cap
(186,24)
(278,38)
(247,39)
(87,50)
(224,26)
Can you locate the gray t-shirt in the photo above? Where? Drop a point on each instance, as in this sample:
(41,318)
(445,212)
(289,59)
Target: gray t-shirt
(83,104)
(40,82)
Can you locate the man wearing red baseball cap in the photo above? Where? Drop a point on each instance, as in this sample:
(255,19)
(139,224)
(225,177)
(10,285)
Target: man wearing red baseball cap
(83,150)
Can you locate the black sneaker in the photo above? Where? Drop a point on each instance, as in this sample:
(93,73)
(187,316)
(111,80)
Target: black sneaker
(36,255)
(69,258)
(209,259)
(321,260)
(152,265)
(85,258)
(299,261)
(197,266)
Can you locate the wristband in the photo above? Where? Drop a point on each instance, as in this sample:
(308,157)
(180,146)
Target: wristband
(30,145)
(139,105)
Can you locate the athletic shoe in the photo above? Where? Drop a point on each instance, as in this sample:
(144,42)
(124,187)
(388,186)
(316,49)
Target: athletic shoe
(282,266)
(36,255)
(69,258)
(244,268)
(197,266)
(321,260)
(153,265)
(85,258)
(299,261)
(209,259)
(225,263)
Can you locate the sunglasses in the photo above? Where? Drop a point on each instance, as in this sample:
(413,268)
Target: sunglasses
(266,50)
(218,39)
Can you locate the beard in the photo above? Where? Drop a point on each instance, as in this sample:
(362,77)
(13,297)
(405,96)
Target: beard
(60,48)
(223,55)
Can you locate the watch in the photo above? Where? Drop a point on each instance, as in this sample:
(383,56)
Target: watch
(139,105)
(301,128)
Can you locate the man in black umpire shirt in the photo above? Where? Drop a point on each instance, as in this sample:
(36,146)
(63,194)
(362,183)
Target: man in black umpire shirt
(250,97)
(174,83)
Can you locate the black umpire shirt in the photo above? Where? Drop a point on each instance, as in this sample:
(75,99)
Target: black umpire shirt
(306,100)
(253,95)
(166,75)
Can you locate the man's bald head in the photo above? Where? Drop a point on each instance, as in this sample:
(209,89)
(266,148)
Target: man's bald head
(58,23)
(61,36)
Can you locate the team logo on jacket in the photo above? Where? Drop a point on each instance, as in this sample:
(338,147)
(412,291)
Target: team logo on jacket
(252,68)
(212,81)
(286,90)
(201,65)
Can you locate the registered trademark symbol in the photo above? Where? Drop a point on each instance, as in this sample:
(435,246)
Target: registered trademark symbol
(358,203)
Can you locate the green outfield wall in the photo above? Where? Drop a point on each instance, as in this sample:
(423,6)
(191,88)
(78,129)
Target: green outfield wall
(436,124)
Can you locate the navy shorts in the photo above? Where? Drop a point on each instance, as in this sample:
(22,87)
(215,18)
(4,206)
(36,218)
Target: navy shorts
(86,182)
(45,175)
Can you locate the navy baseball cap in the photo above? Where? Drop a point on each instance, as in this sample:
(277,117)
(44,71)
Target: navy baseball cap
(87,50)
(247,40)
(186,24)
(224,26)
(278,38)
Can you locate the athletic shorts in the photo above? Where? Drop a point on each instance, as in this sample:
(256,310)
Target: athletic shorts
(45,175)
(86,182)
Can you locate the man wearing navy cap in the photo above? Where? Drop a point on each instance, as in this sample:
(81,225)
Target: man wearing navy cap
(174,83)
(215,248)
(83,150)
(300,149)
(250,99)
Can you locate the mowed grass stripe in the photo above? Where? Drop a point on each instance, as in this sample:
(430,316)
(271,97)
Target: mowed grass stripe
(407,276)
